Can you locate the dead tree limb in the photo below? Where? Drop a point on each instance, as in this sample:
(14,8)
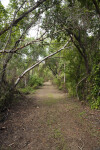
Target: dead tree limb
(33,66)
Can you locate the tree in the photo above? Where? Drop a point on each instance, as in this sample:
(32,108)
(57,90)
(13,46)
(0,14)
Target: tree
(61,20)
(17,19)
(82,25)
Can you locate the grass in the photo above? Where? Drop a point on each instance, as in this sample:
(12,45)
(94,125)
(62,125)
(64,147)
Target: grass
(50,122)
(83,113)
(58,136)
(56,133)
(2,148)
(27,90)
(51,102)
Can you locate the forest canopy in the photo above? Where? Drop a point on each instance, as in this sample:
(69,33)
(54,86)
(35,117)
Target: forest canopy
(67,41)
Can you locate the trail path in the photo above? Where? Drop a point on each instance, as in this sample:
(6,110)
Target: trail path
(49,120)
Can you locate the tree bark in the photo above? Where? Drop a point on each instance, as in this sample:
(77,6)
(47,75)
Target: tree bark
(97,7)
(81,50)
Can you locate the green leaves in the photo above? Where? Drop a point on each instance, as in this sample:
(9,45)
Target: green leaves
(87,3)
(94,95)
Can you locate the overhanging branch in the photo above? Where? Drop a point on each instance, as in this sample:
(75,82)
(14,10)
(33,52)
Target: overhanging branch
(33,66)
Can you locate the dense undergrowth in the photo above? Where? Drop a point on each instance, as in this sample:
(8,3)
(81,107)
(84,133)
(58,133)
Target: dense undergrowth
(34,82)
(90,94)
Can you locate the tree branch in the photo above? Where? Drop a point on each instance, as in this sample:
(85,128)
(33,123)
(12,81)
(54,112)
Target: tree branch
(25,45)
(9,38)
(78,85)
(77,46)
(14,49)
(30,68)
(96,6)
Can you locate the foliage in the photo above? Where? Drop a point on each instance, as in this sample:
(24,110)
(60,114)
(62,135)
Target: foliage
(78,20)
(35,81)
(27,90)
(7,97)
(94,94)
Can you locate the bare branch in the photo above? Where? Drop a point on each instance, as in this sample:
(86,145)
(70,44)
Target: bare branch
(82,146)
(33,66)
(32,42)
(25,45)
(78,85)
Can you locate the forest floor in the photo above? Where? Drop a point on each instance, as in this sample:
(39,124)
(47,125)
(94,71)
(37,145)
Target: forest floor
(50,120)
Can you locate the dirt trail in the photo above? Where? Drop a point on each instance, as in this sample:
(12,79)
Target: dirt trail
(49,120)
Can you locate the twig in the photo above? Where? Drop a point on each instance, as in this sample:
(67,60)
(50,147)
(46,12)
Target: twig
(81,148)
(11,144)
(78,85)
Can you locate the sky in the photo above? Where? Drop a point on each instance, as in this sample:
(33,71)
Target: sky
(4,2)
(33,31)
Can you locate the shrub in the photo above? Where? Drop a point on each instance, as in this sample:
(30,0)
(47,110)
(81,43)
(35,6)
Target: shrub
(27,90)
(35,81)
(94,92)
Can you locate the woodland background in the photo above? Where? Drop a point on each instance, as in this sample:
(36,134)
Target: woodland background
(68,28)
